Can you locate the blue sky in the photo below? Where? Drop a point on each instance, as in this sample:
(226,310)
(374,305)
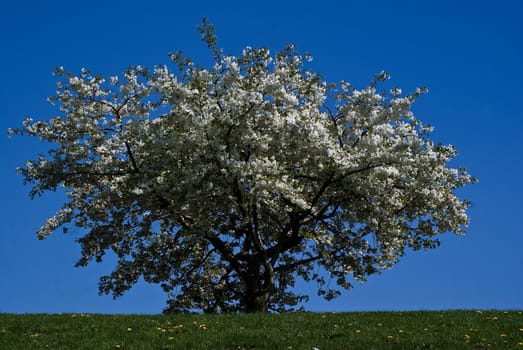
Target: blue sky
(468,53)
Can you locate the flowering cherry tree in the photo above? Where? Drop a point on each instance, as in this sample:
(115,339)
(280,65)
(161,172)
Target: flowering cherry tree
(226,184)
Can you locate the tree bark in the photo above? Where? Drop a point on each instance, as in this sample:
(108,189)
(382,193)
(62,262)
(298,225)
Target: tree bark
(256,299)
(259,285)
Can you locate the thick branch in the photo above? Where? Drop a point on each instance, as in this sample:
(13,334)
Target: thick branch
(224,250)
(226,253)
(284,245)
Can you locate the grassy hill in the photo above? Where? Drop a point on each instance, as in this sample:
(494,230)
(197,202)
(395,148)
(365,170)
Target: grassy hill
(451,330)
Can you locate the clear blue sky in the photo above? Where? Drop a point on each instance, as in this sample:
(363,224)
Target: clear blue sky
(468,53)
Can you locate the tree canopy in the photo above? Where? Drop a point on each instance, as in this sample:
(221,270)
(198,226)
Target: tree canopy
(226,184)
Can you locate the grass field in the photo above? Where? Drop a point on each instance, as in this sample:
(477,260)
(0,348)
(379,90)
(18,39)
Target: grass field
(451,330)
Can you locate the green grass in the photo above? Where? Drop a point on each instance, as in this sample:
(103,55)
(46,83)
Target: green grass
(330,331)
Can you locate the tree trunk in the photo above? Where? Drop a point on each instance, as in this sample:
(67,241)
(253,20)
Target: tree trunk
(258,288)
(256,299)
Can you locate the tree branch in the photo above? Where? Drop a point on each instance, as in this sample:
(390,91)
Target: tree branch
(288,267)
(370,166)
(224,250)
(226,253)
(131,157)
(335,123)
(95,173)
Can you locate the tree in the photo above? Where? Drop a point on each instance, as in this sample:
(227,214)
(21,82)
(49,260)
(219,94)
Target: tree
(226,184)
